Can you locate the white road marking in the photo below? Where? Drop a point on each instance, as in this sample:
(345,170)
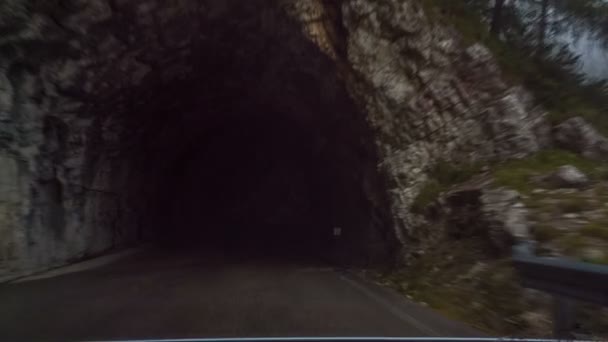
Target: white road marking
(392,308)
(81,266)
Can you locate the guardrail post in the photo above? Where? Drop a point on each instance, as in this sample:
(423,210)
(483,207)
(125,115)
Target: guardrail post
(563,317)
(569,281)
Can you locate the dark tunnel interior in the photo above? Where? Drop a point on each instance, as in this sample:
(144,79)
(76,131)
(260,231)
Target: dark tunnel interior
(258,180)
(258,150)
(254,179)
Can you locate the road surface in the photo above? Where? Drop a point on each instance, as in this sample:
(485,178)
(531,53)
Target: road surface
(163,295)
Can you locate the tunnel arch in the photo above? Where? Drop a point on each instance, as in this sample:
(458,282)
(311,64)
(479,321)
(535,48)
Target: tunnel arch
(208,121)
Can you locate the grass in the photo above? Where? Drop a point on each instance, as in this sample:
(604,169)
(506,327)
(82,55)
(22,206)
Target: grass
(489,298)
(572,244)
(450,173)
(572,205)
(598,261)
(536,215)
(441,177)
(545,232)
(431,191)
(517,174)
(513,174)
(602,173)
(598,230)
(538,204)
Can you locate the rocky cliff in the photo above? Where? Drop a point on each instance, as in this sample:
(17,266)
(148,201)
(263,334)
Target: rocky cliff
(427,94)
(100,102)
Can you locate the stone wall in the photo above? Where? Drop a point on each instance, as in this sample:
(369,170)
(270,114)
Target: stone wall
(94,100)
(64,165)
(9,205)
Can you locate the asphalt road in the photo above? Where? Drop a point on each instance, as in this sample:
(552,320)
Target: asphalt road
(163,295)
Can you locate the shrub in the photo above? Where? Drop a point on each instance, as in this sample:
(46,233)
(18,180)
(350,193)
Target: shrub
(518,174)
(450,173)
(599,261)
(428,194)
(598,230)
(572,205)
(441,177)
(545,233)
(572,243)
(554,78)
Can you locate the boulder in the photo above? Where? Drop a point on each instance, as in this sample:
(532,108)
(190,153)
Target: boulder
(506,218)
(579,136)
(518,130)
(568,176)
(497,214)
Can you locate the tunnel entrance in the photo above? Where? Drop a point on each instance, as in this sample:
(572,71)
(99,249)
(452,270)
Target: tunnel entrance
(257,149)
(199,124)
(264,177)
(255,179)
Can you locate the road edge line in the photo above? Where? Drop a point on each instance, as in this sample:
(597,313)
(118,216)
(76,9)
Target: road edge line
(390,307)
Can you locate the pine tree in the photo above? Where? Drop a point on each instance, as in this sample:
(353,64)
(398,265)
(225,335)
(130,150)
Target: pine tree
(527,39)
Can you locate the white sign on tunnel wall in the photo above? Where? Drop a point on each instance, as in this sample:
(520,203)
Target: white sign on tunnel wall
(337,231)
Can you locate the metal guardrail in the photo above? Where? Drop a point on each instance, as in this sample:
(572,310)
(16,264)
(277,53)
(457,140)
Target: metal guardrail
(568,281)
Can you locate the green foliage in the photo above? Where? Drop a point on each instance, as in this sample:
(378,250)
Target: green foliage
(517,174)
(458,279)
(602,173)
(589,14)
(441,177)
(545,67)
(514,174)
(463,15)
(572,244)
(598,230)
(572,205)
(450,173)
(545,232)
(599,261)
(427,195)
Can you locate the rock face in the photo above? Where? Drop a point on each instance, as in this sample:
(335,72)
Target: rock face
(577,135)
(431,97)
(497,214)
(89,93)
(568,176)
(106,106)
(506,216)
